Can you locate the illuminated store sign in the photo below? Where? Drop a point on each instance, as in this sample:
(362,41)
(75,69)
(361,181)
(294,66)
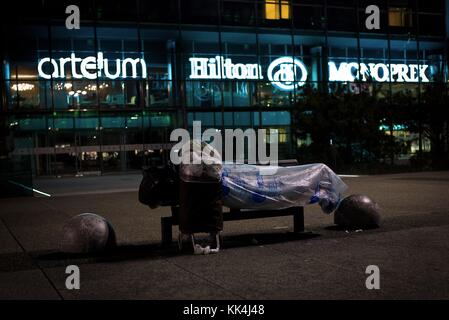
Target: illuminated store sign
(92,67)
(379,72)
(284,73)
(221,68)
(287,73)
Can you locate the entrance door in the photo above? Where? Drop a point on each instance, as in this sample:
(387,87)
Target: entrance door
(88,153)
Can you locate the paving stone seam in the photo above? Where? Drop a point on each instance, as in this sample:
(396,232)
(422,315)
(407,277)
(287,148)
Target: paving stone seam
(34,262)
(205,279)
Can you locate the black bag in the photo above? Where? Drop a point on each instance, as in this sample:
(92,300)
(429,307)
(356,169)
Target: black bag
(201,207)
(159,186)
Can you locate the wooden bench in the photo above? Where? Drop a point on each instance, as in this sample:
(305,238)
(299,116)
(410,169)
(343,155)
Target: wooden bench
(297,212)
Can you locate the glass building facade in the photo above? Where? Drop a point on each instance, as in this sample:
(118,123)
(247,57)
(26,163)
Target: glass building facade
(104,98)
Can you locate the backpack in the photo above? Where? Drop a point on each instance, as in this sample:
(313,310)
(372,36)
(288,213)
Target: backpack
(159,186)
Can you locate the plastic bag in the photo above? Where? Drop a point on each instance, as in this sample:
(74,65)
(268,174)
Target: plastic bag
(200,162)
(255,187)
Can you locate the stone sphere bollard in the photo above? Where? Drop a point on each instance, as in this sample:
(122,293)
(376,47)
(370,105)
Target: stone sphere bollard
(87,233)
(357,211)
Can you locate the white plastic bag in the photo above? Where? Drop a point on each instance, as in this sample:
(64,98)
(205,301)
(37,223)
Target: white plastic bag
(254,187)
(200,162)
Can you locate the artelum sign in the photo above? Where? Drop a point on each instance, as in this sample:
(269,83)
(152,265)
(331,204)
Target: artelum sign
(92,67)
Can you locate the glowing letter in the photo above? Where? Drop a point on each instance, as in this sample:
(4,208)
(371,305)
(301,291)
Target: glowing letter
(41,72)
(89,63)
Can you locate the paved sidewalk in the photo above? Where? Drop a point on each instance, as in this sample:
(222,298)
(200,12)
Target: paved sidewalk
(262,259)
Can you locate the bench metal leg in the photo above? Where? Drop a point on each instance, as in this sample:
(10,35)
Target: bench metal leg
(298,220)
(166,230)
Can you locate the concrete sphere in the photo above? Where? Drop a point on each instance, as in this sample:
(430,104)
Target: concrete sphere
(357,212)
(87,233)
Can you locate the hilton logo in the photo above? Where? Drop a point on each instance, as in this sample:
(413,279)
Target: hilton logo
(287,73)
(284,73)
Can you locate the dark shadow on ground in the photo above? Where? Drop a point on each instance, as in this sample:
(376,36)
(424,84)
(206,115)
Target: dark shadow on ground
(339,228)
(117,254)
(50,259)
(260,239)
(156,251)
(335,228)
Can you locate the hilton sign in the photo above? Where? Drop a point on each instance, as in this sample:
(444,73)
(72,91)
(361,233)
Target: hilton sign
(285,73)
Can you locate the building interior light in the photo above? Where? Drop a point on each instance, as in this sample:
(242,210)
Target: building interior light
(61,86)
(277,9)
(22,87)
(400,17)
(25,76)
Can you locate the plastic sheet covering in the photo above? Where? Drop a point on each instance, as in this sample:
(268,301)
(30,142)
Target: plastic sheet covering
(256,187)
(200,162)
